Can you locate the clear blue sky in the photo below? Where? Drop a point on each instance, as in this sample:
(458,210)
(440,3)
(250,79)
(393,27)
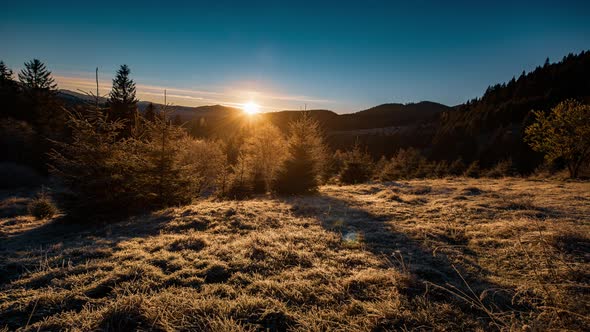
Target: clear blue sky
(336,55)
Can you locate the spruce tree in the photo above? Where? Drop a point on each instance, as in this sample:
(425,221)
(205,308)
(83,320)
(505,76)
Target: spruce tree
(5,74)
(40,105)
(122,101)
(35,76)
(150,112)
(303,168)
(8,92)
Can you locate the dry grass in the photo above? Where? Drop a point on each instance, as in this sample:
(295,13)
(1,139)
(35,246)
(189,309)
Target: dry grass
(453,254)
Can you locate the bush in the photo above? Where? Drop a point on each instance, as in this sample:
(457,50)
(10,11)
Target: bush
(42,207)
(103,172)
(502,169)
(357,166)
(473,170)
(457,167)
(406,164)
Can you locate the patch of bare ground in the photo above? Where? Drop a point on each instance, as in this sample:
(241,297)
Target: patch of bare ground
(451,254)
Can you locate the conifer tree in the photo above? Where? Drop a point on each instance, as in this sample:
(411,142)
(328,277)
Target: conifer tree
(41,107)
(122,100)
(35,76)
(5,74)
(304,166)
(150,112)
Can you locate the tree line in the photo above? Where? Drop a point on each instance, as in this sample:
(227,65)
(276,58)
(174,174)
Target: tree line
(110,158)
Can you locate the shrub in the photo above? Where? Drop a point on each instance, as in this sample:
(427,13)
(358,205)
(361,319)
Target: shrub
(104,172)
(404,165)
(263,154)
(473,170)
(501,169)
(42,207)
(457,167)
(357,166)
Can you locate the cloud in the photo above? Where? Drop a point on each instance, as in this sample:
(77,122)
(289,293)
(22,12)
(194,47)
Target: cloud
(193,97)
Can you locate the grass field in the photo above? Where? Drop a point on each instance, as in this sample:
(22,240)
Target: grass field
(452,254)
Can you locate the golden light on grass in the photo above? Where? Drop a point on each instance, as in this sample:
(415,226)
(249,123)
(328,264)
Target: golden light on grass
(251,108)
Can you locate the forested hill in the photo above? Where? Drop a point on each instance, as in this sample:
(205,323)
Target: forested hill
(486,129)
(491,128)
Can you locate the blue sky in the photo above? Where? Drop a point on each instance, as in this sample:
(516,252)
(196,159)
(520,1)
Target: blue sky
(345,55)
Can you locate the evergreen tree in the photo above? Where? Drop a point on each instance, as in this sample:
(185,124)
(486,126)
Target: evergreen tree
(150,112)
(8,92)
(304,166)
(35,76)
(122,100)
(5,74)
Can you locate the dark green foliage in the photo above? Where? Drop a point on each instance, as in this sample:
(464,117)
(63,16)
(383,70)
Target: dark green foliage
(122,100)
(304,165)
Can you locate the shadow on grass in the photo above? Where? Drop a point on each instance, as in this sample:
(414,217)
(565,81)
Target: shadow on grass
(378,234)
(22,252)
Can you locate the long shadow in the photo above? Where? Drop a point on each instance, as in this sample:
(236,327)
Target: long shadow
(381,238)
(20,252)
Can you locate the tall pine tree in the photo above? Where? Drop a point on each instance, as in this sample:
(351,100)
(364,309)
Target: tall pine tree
(5,74)
(35,76)
(41,107)
(122,101)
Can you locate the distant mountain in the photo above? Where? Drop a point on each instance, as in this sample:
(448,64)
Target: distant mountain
(77,97)
(381,116)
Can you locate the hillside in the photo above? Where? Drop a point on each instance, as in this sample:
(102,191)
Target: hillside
(490,128)
(453,254)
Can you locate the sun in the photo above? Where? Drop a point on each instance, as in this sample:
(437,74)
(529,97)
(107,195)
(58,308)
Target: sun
(250,108)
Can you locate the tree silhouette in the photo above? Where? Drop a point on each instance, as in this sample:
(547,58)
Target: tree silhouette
(5,74)
(35,76)
(150,112)
(122,101)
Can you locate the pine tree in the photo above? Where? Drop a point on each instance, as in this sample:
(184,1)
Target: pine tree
(122,100)
(304,166)
(150,112)
(35,76)
(8,91)
(41,107)
(5,74)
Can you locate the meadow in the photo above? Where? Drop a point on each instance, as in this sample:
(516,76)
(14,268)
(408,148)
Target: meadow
(443,254)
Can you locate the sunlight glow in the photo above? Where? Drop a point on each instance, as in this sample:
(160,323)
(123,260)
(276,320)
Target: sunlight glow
(250,108)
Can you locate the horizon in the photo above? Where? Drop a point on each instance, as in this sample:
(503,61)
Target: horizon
(290,57)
